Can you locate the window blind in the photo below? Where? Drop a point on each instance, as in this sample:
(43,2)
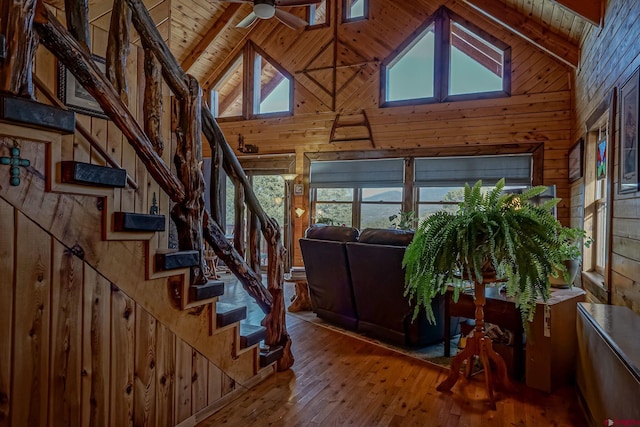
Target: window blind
(456,171)
(357,173)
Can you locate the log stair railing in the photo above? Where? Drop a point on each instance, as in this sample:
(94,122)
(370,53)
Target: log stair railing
(186,188)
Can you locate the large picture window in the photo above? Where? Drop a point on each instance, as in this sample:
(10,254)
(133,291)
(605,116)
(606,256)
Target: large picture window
(365,193)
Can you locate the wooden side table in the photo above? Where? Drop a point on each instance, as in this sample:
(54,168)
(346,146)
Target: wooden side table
(301,300)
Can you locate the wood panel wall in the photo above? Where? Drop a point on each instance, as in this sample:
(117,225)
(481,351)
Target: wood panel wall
(610,55)
(538,110)
(78,351)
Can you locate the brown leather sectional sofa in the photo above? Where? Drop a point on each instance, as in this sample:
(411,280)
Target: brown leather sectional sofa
(356,281)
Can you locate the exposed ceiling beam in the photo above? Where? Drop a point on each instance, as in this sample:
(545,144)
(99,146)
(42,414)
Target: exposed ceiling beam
(552,43)
(220,24)
(591,10)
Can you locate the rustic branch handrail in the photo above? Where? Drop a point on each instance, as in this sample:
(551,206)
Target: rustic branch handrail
(83,131)
(55,37)
(173,74)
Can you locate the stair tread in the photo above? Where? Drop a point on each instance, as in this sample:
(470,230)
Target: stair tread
(226,313)
(270,355)
(131,221)
(34,114)
(72,172)
(251,334)
(213,288)
(177,259)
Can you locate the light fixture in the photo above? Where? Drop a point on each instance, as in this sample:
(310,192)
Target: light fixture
(289,176)
(299,212)
(264,10)
(277,200)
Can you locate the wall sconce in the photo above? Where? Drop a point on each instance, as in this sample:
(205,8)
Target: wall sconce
(299,212)
(277,200)
(289,176)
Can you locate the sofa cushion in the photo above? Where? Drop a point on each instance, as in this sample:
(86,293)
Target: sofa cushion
(381,236)
(332,232)
(384,311)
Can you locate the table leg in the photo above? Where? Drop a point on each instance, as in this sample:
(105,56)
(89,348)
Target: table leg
(479,345)
(447,324)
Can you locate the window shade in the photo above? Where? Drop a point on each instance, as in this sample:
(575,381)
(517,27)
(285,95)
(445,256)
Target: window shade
(357,173)
(456,171)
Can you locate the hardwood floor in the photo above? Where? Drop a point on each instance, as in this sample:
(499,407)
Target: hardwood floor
(339,380)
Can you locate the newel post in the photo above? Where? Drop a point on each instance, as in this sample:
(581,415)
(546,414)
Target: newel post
(188,214)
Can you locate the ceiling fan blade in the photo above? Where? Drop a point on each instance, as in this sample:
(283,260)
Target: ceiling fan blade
(296,2)
(248,21)
(290,20)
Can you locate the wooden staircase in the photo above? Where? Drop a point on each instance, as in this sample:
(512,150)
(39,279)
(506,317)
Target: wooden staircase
(109,237)
(67,181)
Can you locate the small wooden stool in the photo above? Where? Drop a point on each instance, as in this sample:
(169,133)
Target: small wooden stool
(301,301)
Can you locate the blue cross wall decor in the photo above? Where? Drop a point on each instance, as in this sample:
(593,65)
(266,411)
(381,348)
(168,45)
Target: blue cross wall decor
(15,162)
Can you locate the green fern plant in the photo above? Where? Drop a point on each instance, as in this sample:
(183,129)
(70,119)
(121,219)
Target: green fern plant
(498,232)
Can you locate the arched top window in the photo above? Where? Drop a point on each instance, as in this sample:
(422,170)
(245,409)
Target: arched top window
(446,59)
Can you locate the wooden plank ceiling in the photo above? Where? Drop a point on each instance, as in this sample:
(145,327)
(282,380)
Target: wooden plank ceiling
(203,34)
(205,39)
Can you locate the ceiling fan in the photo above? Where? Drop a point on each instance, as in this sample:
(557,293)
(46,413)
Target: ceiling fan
(265,9)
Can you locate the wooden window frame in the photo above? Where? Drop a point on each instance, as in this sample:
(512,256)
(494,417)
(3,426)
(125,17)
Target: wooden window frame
(345,7)
(327,21)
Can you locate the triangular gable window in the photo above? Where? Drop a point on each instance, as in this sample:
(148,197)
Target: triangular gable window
(418,55)
(275,88)
(446,59)
(317,14)
(227,95)
(269,86)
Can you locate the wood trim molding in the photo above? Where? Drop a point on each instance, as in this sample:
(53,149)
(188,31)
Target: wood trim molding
(552,43)
(516,148)
(591,10)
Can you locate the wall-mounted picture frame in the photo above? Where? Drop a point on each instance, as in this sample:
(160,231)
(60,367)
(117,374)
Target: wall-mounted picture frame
(629,108)
(298,189)
(74,96)
(575,160)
